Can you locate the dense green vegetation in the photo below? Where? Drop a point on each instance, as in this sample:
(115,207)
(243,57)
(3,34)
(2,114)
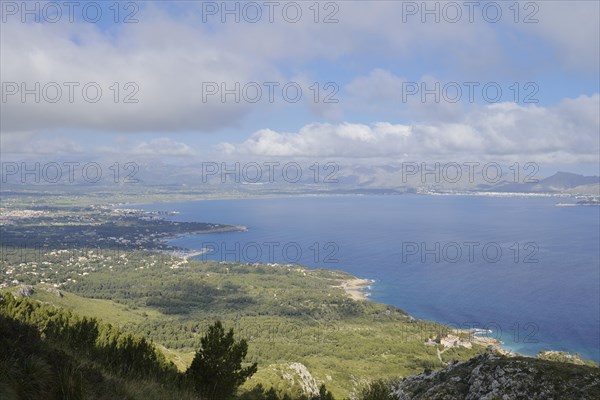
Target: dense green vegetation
(564,357)
(216,371)
(290,315)
(49,353)
(48,228)
(379,390)
(304,330)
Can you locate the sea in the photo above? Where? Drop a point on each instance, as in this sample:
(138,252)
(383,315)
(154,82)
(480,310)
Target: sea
(522,268)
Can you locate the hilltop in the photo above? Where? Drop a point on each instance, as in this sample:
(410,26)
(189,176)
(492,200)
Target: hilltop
(492,376)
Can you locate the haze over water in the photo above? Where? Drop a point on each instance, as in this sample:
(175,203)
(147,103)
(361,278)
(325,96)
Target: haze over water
(553,303)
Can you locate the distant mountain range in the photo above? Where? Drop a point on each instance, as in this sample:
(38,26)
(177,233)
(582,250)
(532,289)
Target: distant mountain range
(474,180)
(329,178)
(559,182)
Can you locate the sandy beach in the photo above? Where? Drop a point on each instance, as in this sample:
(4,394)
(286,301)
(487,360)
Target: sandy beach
(357,287)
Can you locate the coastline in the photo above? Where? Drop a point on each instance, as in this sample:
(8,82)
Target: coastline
(145,201)
(180,252)
(184,254)
(357,288)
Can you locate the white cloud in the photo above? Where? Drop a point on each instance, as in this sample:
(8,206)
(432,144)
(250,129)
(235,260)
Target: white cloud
(38,145)
(170,54)
(157,148)
(572,28)
(168,61)
(29,143)
(381,91)
(163,147)
(568,132)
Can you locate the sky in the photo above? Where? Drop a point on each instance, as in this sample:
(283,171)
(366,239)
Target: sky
(375,82)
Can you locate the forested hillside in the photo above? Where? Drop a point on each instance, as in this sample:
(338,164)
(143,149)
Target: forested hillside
(49,353)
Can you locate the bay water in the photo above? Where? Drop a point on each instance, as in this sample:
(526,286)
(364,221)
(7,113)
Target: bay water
(522,267)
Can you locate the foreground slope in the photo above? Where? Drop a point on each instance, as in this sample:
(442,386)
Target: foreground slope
(492,376)
(295,319)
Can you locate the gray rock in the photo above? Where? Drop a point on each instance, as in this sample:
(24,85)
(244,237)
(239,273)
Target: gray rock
(25,291)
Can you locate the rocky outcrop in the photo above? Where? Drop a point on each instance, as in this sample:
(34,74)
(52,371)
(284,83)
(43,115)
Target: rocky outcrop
(25,291)
(492,376)
(303,378)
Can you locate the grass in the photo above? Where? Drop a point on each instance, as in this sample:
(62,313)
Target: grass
(106,310)
(287,314)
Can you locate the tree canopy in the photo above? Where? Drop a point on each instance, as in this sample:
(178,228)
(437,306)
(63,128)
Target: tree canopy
(216,371)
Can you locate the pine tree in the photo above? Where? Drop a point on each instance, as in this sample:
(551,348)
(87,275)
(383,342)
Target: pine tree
(324,394)
(216,371)
(378,390)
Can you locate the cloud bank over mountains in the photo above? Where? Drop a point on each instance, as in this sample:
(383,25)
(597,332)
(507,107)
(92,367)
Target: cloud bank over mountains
(164,62)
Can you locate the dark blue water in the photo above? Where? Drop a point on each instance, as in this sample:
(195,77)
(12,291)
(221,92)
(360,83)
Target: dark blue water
(525,269)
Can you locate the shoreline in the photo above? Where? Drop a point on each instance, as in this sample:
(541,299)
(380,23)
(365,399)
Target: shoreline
(219,197)
(251,196)
(357,288)
(184,254)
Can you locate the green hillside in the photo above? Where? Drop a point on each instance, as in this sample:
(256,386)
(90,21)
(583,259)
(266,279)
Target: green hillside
(303,328)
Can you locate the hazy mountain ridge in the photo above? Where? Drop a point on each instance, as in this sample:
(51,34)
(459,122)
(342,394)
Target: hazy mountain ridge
(265,178)
(559,182)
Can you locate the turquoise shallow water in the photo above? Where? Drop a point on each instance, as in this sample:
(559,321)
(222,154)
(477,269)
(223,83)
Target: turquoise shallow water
(525,269)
